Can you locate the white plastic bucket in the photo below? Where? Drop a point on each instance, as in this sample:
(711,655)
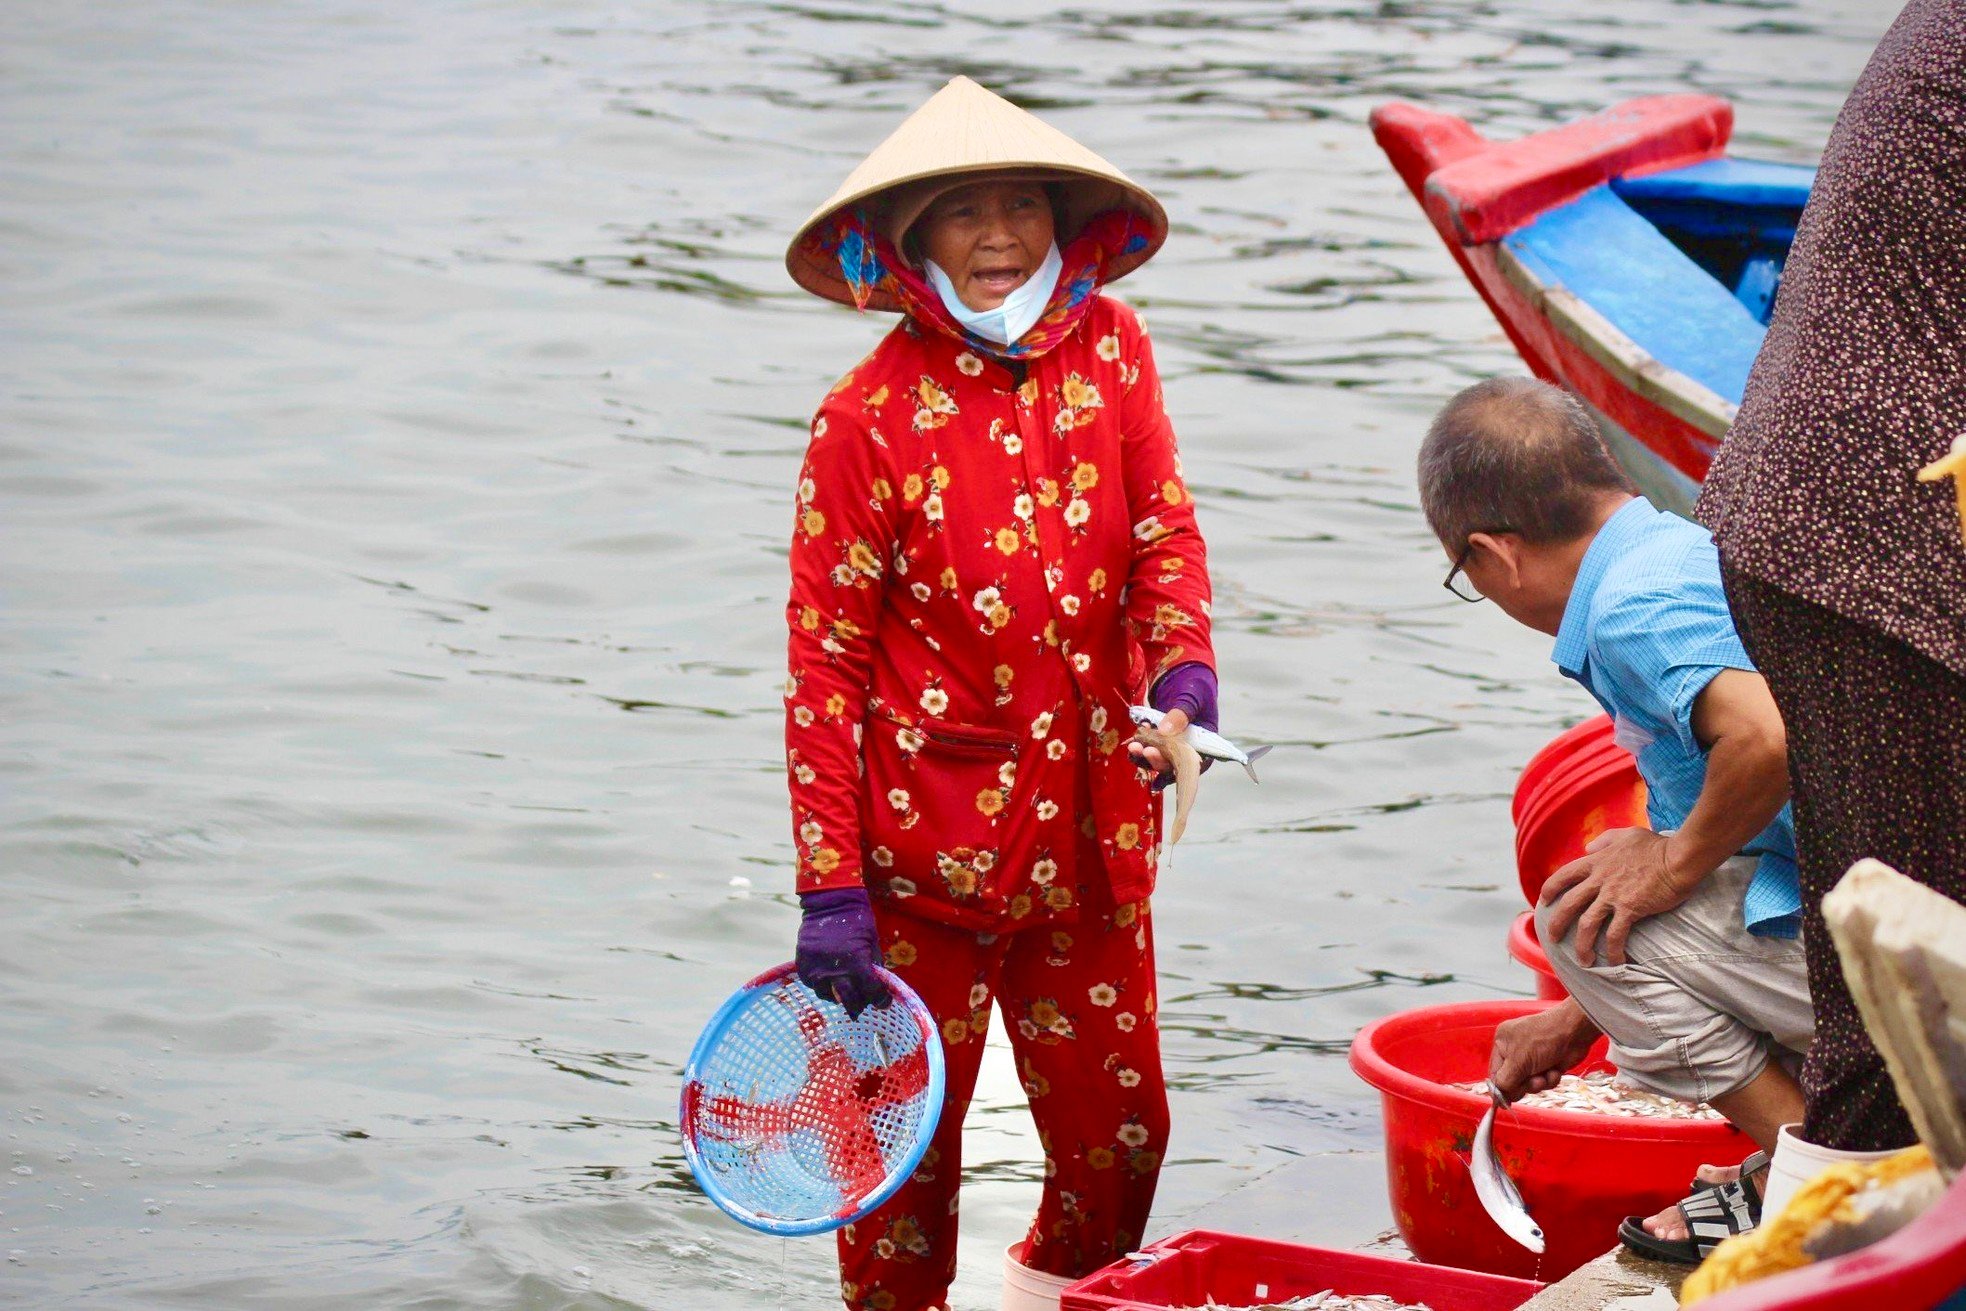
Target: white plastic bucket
(1795,1161)
(1025,1289)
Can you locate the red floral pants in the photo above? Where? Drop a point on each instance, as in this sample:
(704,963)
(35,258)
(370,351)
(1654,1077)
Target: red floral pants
(1078,1001)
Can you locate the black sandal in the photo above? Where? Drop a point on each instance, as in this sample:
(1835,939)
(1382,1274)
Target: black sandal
(1714,1212)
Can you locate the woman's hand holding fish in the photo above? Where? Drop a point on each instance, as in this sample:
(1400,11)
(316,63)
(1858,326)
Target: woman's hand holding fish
(1189,690)
(1167,742)
(1172,724)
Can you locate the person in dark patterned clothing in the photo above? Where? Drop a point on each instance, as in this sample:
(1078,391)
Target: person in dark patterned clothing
(1846,575)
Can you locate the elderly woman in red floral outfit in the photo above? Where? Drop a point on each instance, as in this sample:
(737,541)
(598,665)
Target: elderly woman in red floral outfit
(995,554)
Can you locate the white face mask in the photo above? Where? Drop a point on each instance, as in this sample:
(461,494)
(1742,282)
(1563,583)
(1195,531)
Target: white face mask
(1020,309)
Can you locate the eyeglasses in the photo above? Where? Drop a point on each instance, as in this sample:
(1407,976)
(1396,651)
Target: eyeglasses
(1456,580)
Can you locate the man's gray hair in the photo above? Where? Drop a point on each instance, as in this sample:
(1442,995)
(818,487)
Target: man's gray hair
(1515,455)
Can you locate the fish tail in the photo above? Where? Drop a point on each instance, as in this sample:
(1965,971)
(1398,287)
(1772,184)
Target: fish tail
(1249,765)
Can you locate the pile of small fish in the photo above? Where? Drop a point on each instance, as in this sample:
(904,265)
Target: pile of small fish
(1328,1300)
(1600,1092)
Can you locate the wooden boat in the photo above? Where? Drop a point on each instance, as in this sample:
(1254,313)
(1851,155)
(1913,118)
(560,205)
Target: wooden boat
(1627,256)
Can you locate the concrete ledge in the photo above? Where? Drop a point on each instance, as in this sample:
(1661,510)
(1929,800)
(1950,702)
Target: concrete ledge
(1616,1281)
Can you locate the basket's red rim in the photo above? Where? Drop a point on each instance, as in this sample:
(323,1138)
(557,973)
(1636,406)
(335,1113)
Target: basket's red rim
(1556,755)
(1535,826)
(1585,774)
(1553,784)
(1459,1278)
(1390,1079)
(1524,948)
(1529,828)
(1589,730)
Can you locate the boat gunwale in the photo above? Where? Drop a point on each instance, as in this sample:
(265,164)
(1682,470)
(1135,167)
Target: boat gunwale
(1643,373)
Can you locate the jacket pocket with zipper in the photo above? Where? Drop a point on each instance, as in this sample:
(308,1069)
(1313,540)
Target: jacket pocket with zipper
(937,817)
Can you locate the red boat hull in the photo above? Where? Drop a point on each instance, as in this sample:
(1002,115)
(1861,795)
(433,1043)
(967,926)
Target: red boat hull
(1476,192)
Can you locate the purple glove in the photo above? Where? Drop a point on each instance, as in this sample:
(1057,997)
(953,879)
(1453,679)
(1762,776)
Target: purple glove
(1189,688)
(838,949)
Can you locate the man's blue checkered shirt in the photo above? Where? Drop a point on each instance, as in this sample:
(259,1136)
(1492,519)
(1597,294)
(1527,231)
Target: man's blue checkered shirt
(1646,629)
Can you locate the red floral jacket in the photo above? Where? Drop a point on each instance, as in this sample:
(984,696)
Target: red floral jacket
(984,575)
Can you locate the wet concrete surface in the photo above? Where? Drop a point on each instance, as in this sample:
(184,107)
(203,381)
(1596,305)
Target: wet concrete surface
(1616,1281)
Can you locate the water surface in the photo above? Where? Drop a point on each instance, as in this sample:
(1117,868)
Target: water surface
(399,411)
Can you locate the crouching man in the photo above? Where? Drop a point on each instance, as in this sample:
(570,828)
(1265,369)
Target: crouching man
(1678,942)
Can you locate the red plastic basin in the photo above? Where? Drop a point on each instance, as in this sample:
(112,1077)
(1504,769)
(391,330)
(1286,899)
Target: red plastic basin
(1559,751)
(1188,1270)
(1580,785)
(1579,1173)
(1526,950)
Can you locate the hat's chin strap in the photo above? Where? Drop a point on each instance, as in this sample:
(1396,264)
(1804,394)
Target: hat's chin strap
(1013,317)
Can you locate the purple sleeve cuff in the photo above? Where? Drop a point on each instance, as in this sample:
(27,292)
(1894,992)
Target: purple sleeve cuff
(1190,688)
(830,901)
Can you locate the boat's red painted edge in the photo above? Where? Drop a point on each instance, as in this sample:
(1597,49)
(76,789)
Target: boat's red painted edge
(1477,191)
(1418,142)
(1548,169)
(1556,358)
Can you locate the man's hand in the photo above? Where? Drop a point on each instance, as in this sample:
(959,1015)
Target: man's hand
(1534,1052)
(1624,876)
(1630,873)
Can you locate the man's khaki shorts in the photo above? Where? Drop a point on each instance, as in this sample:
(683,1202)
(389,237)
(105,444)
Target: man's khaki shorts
(1701,1005)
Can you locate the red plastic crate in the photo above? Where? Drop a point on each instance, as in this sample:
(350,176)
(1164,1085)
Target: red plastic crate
(1189,1269)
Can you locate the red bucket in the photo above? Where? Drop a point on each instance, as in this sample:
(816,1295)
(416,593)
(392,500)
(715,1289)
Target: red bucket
(1202,1268)
(1580,1173)
(1526,950)
(1559,753)
(1580,785)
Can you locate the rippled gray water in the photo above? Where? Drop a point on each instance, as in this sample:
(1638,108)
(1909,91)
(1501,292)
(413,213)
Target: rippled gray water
(401,407)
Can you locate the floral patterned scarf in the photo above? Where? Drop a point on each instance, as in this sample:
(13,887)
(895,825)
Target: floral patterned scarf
(868,262)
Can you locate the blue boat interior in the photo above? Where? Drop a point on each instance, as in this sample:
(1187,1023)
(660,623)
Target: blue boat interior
(1735,218)
(1686,263)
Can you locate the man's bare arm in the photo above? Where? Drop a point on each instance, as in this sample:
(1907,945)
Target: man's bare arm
(1628,874)
(1747,785)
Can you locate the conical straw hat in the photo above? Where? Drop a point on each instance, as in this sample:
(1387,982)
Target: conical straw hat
(964,130)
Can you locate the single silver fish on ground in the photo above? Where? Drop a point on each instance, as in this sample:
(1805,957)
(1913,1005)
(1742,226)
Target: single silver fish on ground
(1494,1187)
(1205,742)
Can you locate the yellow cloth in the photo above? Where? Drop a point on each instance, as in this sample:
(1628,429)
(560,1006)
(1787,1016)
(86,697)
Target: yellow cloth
(1777,1244)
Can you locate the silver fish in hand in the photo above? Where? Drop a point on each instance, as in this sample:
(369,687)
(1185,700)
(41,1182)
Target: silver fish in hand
(1494,1187)
(1186,764)
(1205,742)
